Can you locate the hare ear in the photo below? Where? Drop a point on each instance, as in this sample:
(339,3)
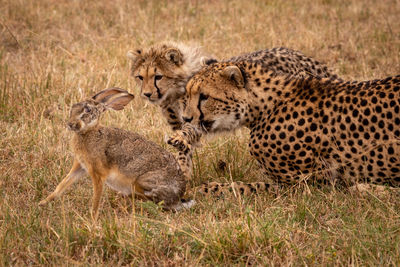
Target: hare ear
(205,61)
(106,94)
(119,102)
(134,54)
(175,56)
(233,74)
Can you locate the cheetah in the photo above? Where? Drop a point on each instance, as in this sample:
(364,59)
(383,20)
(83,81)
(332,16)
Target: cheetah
(163,70)
(324,130)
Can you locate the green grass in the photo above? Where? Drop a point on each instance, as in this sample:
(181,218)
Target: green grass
(54,53)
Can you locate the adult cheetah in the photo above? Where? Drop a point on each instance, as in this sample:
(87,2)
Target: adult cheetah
(325,130)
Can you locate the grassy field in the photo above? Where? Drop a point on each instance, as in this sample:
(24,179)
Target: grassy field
(54,53)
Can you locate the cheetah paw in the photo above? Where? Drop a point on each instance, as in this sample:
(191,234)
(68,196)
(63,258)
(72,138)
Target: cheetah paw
(179,142)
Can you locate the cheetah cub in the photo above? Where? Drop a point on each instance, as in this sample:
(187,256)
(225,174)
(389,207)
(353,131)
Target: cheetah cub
(125,161)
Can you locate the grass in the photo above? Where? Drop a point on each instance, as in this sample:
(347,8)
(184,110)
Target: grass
(54,53)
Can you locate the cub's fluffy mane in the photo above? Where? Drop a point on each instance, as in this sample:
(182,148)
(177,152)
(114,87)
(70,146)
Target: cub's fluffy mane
(191,56)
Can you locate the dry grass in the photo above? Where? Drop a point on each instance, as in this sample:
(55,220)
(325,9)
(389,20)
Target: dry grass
(53,53)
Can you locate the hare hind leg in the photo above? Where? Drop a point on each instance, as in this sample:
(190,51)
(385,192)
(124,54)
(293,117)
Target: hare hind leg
(76,172)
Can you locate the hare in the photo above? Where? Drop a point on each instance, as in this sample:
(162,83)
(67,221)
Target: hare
(125,161)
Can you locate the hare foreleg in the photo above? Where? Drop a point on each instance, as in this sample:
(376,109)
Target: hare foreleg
(74,175)
(97,192)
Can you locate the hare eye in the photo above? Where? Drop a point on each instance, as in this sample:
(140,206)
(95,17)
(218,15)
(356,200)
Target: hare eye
(87,109)
(158,77)
(139,77)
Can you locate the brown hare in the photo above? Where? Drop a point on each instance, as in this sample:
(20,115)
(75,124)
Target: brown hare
(125,161)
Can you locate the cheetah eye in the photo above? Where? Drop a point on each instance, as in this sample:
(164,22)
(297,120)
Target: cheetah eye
(158,77)
(203,97)
(139,77)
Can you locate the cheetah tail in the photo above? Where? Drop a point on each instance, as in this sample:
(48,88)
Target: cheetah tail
(245,189)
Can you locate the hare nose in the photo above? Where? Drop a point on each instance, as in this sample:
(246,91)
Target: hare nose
(147,94)
(186,119)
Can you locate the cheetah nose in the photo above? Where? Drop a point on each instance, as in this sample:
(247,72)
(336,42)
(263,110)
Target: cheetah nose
(147,94)
(186,119)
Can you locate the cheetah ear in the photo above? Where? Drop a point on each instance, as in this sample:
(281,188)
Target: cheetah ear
(134,54)
(205,61)
(234,74)
(175,56)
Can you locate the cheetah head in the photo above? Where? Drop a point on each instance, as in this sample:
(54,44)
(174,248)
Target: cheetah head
(216,98)
(157,73)
(162,70)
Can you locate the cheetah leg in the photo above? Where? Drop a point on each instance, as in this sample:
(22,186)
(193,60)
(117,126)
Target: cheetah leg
(173,118)
(184,138)
(185,163)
